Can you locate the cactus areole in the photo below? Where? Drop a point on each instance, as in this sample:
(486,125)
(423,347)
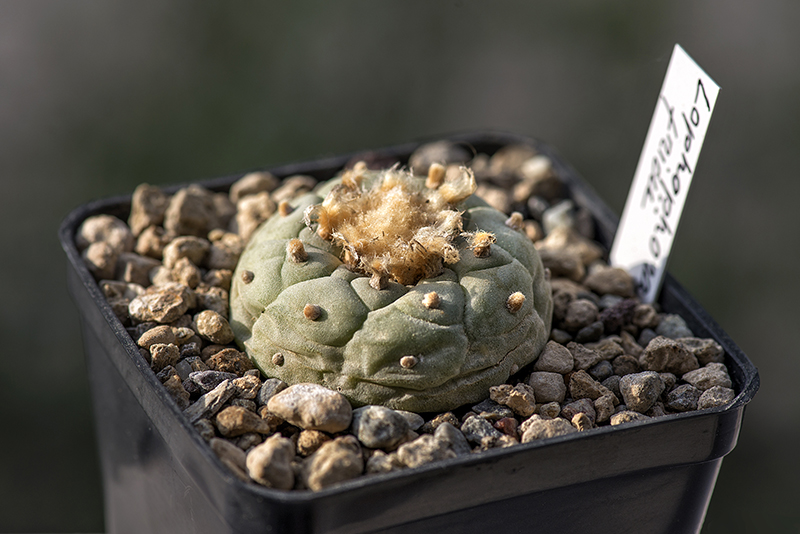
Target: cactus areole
(410,292)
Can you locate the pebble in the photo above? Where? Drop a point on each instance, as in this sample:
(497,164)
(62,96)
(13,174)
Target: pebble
(645,316)
(414,420)
(713,374)
(292,187)
(705,350)
(210,403)
(133,268)
(425,449)
(627,416)
(162,355)
(442,152)
(175,388)
(230,455)
(617,316)
(580,314)
(547,428)
(520,398)
(555,358)
(665,354)
(715,396)
(611,280)
(581,421)
(251,212)
(584,406)
(378,427)
(253,183)
(447,417)
(550,409)
(491,410)
(602,370)
(270,463)
(583,357)
(187,273)
(230,361)
(607,349)
(205,428)
(612,383)
(673,326)
(209,380)
(583,386)
(683,398)
(105,229)
(101,260)
(563,263)
(476,428)
(165,304)
(548,387)
(312,407)
(191,211)
(235,421)
(269,388)
(157,334)
(248,441)
(508,426)
(590,333)
(561,214)
(213,327)
(192,248)
(148,205)
(336,461)
(248,386)
(309,441)
(604,408)
(641,390)
(646,336)
(225,251)
(562,337)
(151,242)
(380,462)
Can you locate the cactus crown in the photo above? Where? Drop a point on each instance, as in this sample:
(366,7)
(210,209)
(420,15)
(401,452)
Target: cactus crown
(391,225)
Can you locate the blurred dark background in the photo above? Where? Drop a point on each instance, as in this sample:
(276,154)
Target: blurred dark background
(96,97)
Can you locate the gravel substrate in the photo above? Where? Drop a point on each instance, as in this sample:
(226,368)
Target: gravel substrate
(611,360)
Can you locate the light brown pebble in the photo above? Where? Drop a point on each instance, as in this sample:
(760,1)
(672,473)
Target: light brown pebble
(611,281)
(713,374)
(664,354)
(230,361)
(132,267)
(381,462)
(230,455)
(705,350)
(187,273)
(151,242)
(604,407)
(251,211)
(312,312)
(627,416)
(515,301)
(555,358)
(520,398)
(425,449)
(191,211)
(105,229)
(162,355)
(248,441)
(309,441)
(174,387)
(270,463)
(312,407)
(715,396)
(148,205)
(248,385)
(225,251)
(213,327)
(159,334)
(234,421)
(294,186)
(335,461)
(584,357)
(547,428)
(550,409)
(581,421)
(192,247)
(101,260)
(252,184)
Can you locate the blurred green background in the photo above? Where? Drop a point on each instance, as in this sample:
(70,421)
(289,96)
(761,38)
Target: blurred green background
(96,97)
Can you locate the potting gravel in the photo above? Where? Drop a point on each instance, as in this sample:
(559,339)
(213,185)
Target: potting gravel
(610,360)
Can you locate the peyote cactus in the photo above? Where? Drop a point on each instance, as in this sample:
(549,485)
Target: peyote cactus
(398,290)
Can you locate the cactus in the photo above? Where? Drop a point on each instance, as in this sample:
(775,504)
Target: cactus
(410,292)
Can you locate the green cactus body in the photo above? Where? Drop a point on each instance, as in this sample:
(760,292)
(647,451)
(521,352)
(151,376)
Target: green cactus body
(432,345)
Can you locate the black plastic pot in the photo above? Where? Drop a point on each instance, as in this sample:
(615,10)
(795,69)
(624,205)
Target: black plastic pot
(160,476)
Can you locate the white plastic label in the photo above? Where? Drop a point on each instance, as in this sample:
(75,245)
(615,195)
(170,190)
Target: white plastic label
(664,173)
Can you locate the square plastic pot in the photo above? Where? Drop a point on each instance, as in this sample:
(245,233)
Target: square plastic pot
(160,476)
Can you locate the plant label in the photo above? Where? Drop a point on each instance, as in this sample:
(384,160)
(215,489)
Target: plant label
(664,172)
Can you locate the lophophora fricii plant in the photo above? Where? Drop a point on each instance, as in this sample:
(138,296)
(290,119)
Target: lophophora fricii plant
(393,289)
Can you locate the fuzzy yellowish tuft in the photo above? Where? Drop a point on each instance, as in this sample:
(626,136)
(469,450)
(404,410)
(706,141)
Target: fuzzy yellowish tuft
(394,227)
